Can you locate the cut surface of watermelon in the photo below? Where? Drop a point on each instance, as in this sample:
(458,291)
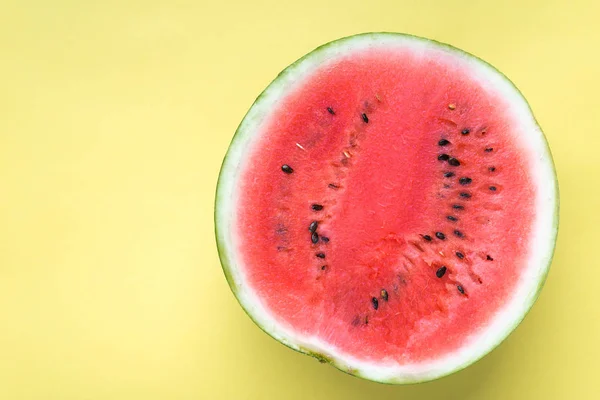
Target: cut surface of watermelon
(389,205)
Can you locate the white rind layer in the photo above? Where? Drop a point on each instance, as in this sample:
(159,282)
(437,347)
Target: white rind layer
(542,239)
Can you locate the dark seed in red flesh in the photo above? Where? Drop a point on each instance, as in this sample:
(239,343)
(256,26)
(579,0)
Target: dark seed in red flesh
(427,237)
(320,255)
(489,149)
(333,186)
(443,157)
(489,258)
(287,169)
(452,218)
(449,174)
(465,180)
(365,118)
(443,142)
(440,235)
(460,289)
(458,207)
(440,272)
(460,255)
(459,233)
(324,239)
(323,267)
(314,237)
(491,169)
(375,303)
(454,162)
(313,226)
(316,207)
(465,131)
(330,111)
(465,195)
(384,294)
(493,188)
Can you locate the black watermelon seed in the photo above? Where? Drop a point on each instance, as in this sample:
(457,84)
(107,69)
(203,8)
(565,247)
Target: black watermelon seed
(465,180)
(458,207)
(367,320)
(459,233)
(465,131)
(365,118)
(287,169)
(449,174)
(316,207)
(427,237)
(443,142)
(452,218)
(375,303)
(330,111)
(465,195)
(440,235)
(460,289)
(460,255)
(493,188)
(454,162)
(443,157)
(384,294)
(323,267)
(313,226)
(489,149)
(491,169)
(441,271)
(333,186)
(314,238)
(324,239)
(320,255)
(489,258)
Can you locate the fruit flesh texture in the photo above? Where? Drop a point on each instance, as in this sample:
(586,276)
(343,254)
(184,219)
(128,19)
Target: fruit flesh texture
(383,189)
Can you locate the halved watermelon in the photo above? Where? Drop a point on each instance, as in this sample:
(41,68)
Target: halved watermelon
(388,205)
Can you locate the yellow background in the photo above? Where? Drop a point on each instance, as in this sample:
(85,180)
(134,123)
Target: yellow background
(114,118)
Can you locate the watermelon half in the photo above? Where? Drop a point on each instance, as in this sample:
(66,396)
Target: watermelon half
(388,205)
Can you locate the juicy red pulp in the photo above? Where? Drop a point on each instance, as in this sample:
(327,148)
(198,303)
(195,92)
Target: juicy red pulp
(396,149)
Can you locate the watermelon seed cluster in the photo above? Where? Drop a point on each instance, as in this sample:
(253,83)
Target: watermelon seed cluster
(463,195)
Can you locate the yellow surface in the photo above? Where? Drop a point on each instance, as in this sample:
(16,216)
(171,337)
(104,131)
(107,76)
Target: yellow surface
(113,123)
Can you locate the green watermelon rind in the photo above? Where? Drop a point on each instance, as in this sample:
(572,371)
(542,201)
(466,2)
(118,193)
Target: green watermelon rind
(323,358)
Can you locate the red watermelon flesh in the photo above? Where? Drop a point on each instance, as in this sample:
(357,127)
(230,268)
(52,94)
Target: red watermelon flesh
(385,206)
